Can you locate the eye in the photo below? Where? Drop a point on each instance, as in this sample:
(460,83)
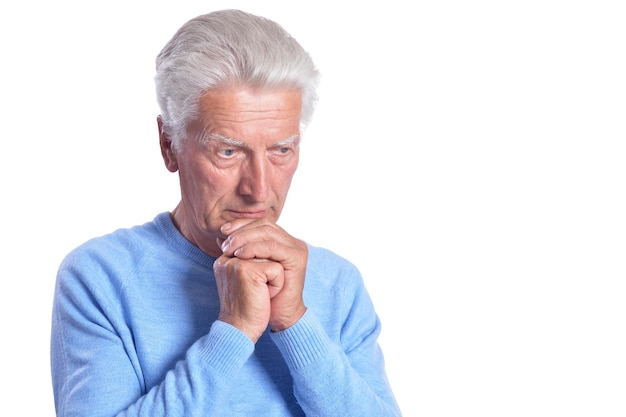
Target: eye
(226,152)
(281,151)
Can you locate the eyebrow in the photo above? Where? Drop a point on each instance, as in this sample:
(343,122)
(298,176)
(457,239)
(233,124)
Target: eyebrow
(238,143)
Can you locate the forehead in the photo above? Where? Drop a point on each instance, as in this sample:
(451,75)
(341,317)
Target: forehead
(250,117)
(244,105)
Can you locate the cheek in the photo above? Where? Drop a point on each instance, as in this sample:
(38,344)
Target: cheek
(210,185)
(283,181)
(188,177)
(197,182)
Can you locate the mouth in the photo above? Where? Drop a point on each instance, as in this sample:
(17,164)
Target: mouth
(258,214)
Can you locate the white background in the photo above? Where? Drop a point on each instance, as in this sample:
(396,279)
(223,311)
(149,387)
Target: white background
(467,156)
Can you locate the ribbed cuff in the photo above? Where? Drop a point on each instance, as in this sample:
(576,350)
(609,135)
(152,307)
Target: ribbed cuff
(303,343)
(226,348)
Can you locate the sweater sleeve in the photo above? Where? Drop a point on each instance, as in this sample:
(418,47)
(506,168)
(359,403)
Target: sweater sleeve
(198,385)
(333,381)
(95,373)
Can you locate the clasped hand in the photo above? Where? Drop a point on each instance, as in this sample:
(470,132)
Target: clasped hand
(260,277)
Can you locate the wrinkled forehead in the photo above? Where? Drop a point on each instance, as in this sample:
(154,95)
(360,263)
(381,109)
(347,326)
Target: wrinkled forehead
(243,98)
(237,114)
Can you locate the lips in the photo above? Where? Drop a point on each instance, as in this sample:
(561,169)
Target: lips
(249,214)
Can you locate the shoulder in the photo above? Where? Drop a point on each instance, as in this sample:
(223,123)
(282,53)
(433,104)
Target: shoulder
(123,240)
(332,269)
(336,292)
(113,252)
(320,257)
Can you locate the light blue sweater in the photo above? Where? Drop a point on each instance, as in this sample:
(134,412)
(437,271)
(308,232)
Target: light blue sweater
(135,333)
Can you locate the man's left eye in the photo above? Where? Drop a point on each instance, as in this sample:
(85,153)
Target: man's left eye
(227,152)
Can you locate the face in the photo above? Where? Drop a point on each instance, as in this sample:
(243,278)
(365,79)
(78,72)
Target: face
(236,162)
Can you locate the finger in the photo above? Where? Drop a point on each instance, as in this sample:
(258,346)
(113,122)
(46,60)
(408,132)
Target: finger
(271,272)
(275,280)
(234,225)
(259,240)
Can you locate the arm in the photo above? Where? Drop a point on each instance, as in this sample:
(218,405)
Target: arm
(342,374)
(346,380)
(96,369)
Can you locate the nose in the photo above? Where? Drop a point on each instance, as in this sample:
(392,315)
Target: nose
(255,179)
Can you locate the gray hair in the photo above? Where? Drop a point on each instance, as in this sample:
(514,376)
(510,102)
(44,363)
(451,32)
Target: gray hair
(225,47)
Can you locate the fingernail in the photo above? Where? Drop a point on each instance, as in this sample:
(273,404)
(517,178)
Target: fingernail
(225,227)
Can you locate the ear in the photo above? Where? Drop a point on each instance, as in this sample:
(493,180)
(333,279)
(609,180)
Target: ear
(167,151)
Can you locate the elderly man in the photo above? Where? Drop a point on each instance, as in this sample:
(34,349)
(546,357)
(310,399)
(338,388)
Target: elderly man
(212,309)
